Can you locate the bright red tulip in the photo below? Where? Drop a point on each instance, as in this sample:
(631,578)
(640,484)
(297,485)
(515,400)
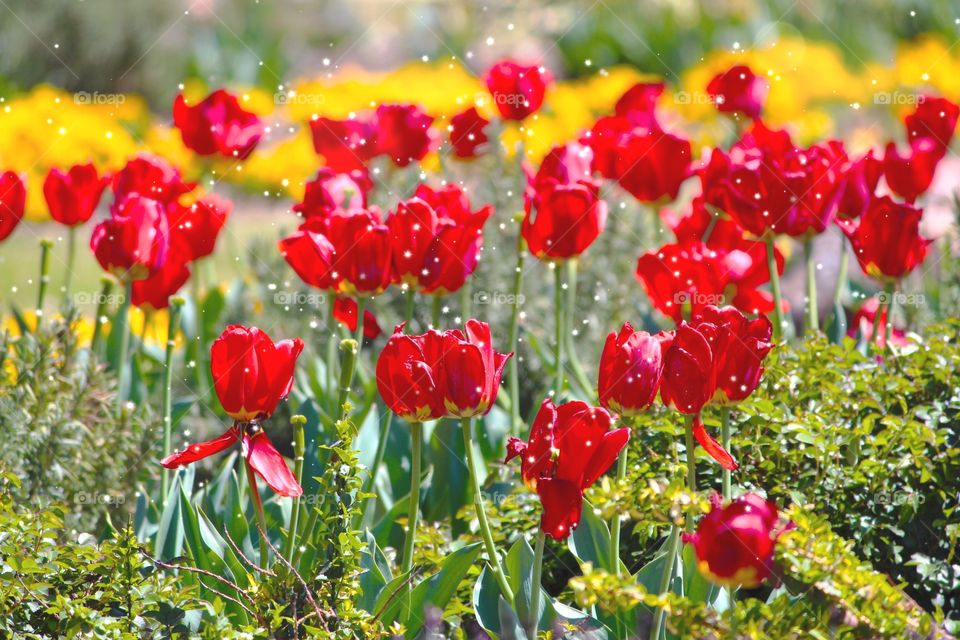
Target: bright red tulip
(569,448)
(738,90)
(467,135)
(734,544)
(605,139)
(195,228)
(631,369)
(887,240)
(311,255)
(72,196)
(638,104)
(217,125)
(403,133)
(934,119)
(133,242)
(345,312)
(410,377)
(251,374)
(471,370)
(329,191)
(13,200)
(153,293)
(152,177)
(909,176)
(652,164)
(860,180)
(346,145)
(517,90)
(739,351)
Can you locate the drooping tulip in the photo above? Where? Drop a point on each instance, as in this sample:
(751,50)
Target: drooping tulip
(217,125)
(72,196)
(13,200)
(133,242)
(631,370)
(517,90)
(738,90)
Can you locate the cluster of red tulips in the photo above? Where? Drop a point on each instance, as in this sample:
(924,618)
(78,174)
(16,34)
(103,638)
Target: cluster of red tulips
(708,282)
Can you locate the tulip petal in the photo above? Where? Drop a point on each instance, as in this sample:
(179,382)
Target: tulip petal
(562,502)
(713,447)
(270,465)
(201,450)
(606,454)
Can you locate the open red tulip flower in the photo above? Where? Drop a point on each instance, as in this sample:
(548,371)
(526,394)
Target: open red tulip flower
(153,292)
(13,200)
(437,239)
(717,357)
(409,375)
(563,210)
(638,104)
(734,544)
(346,145)
(860,180)
(195,228)
(72,196)
(404,133)
(934,119)
(569,448)
(133,242)
(217,125)
(329,191)
(347,252)
(471,370)
(251,375)
(345,312)
(738,90)
(517,90)
(887,240)
(631,369)
(467,136)
(152,177)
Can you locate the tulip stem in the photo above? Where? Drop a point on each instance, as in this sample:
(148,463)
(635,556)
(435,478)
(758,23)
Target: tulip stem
(258,509)
(841,287)
(559,331)
(813,320)
(673,545)
(173,322)
(513,364)
(725,442)
(299,448)
(465,302)
(413,510)
(774,287)
(435,311)
(571,305)
(534,620)
(332,341)
(691,463)
(123,326)
(409,303)
(615,523)
(106,286)
(466,425)
(71,257)
(45,246)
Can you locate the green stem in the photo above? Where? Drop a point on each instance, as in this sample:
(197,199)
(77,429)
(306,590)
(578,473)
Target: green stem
(691,463)
(45,247)
(615,522)
(513,372)
(534,621)
(349,351)
(435,311)
(841,287)
(571,304)
(558,315)
(891,302)
(71,258)
(813,320)
(173,324)
(332,341)
(123,326)
(409,304)
(258,508)
(106,286)
(466,308)
(299,447)
(466,425)
(673,545)
(774,288)
(725,442)
(413,508)
(196,290)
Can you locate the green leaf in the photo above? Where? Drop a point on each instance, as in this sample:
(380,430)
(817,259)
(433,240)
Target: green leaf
(170,534)
(590,541)
(376,573)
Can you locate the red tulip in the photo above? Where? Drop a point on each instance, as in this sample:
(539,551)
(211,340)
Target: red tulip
(345,312)
(652,164)
(471,370)
(517,90)
(403,133)
(409,375)
(311,256)
(860,180)
(734,544)
(887,240)
(639,104)
(867,315)
(329,191)
(217,125)
(345,145)
(934,119)
(570,447)
(740,348)
(132,243)
(467,135)
(251,374)
(153,293)
(152,177)
(195,229)
(72,196)
(738,90)
(631,369)
(13,200)
(909,176)
(605,139)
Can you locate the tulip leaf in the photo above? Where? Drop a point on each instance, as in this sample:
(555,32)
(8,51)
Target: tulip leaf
(590,541)
(170,534)
(376,574)
(519,568)
(837,329)
(510,627)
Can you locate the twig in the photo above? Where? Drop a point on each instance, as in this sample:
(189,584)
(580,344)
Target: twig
(209,574)
(255,566)
(306,587)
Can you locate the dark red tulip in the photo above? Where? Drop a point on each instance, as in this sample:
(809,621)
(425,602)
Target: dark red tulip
(887,240)
(409,375)
(153,293)
(638,104)
(909,176)
(251,375)
(652,164)
(734,544)
(329,191)
(217,125)
(739,351)
(570,447)
(631,369)
(934,119)
(72,196)
(517,90)
(467,135)
(345,312)
(471,370)
(860,179)
(150,176)
(133,242)
(13,200)
(738,90)
(195,228)
(346,145)
(403,133)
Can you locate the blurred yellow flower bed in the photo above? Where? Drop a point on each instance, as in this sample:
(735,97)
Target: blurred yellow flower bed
(48,127)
